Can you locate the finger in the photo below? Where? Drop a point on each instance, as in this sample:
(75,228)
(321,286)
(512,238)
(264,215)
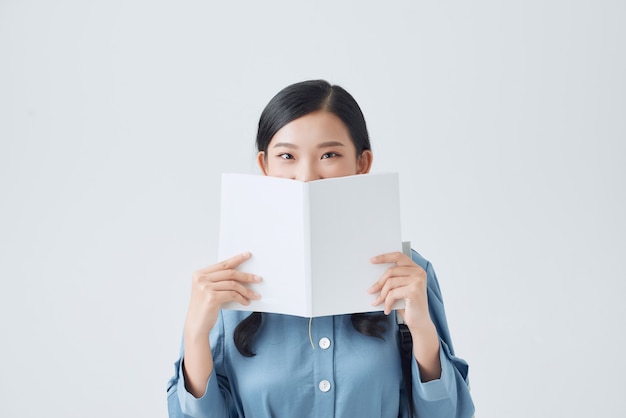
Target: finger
(394,257)
(390,285)
(232,296)
(230,274)
(394,295)
(396,271)
(229,263)
(391,298)
(227,287)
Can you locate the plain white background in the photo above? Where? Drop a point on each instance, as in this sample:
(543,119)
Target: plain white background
(505,120)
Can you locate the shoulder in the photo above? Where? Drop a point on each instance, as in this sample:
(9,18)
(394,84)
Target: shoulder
(425,264)
(233,315)
(432,282)
(420,260)
(229,319)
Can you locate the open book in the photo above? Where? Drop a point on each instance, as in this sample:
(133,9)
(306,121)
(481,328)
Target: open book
(311,242)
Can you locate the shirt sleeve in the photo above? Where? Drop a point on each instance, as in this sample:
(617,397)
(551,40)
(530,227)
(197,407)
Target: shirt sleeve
(449,395)
(215,401)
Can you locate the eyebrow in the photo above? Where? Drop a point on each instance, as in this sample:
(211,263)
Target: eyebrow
(322,145)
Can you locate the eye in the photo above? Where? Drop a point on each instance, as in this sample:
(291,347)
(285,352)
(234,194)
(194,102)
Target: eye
(329,155)
(285,156)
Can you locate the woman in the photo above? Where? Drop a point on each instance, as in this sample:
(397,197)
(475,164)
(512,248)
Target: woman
(237,364)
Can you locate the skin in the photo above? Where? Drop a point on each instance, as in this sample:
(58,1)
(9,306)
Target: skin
(312,147)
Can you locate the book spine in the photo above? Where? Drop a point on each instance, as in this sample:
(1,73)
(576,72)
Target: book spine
(306,222)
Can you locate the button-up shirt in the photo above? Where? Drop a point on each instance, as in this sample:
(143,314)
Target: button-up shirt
(322,368)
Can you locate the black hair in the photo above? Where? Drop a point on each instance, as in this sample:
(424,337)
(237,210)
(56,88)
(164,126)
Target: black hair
(291,103)
(306,97)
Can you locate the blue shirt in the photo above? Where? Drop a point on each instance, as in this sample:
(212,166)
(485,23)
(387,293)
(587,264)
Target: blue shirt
(343,374)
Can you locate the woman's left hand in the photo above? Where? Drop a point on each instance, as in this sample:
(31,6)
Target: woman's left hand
(405,280)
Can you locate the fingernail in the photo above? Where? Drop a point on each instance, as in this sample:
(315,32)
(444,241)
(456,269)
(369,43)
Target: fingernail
(257,278)
(246,254)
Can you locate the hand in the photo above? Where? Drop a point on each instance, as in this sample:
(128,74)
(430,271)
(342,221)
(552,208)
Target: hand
(405,280)
(213,286)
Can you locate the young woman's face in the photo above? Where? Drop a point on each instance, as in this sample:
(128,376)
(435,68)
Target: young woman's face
(313,147)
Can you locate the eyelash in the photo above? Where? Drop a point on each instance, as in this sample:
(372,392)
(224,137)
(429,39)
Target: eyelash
(326,155)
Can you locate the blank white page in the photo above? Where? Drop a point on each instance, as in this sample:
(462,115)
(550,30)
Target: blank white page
(263,215)
(352,219)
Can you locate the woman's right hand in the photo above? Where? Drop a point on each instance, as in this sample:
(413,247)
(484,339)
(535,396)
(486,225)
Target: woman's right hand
(213,286)
(210,288)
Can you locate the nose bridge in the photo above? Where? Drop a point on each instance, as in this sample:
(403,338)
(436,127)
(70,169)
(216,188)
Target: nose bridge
(307,170)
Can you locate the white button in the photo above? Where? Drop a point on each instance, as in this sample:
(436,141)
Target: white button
(324,385)
(324,343)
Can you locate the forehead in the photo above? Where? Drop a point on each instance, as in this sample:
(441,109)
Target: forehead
(313,129)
